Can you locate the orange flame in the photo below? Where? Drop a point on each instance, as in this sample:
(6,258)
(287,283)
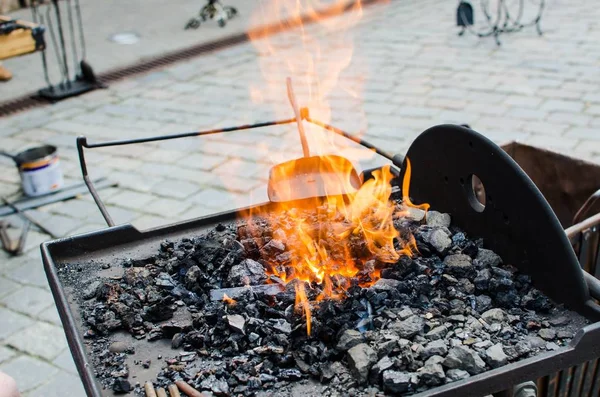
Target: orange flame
(332,238)
(302,303)
(229,301)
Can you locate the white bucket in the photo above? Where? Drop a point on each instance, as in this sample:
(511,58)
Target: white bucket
(40,170)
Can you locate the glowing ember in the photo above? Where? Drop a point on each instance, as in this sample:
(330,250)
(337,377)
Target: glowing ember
(228,300)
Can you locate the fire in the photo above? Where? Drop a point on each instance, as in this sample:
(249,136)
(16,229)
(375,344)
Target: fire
(331,238)
(229,301)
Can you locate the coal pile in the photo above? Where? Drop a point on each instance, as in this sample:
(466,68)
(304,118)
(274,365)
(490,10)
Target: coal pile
(451,311)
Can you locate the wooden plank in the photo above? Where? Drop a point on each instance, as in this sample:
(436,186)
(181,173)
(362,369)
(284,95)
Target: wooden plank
(18,42)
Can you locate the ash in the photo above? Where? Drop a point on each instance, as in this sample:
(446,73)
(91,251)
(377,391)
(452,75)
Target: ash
(451,311)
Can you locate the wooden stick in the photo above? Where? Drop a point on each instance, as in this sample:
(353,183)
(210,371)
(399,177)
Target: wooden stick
(149,388)
(187,389)
(174,391)
(161,392)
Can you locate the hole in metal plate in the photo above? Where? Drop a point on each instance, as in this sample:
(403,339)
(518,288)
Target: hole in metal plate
(476,193)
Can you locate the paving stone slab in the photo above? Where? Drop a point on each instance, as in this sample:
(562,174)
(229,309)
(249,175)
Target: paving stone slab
(63,384)
(29,300)
(31,273)
(65,361)
(29,372)
(12,322)
(6,353)
(40,339)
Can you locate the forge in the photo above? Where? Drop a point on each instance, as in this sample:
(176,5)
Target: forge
(374,293)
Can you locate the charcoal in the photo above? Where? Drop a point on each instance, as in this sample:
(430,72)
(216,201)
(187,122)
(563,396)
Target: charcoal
(414,214)
(437,333)
(495,356)
(432,374)
(90,291)
(290,374)
(552,346)
(249,272)
(385,284)
(483,303)
(349,339)
(534,300)
(547,334)
(177,340)
(159,311)
(281,326)
(450,311)
(377,370)
(436,347)
(397,382)
(439,240)
(435,218)
(459,265)
(482,281)
(487,258)
(558,321)
(409,327)
(405,313)
(217,386)
(237,323)
(563,334)
(121,386)
(456,374)
(360,360)
(164,280)
(493,316)
(465,359)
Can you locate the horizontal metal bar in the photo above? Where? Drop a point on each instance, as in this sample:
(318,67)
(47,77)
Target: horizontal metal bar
(64,194)
(186,134)
(352,137)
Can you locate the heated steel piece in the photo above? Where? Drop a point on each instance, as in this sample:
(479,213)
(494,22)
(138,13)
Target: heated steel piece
(310,176)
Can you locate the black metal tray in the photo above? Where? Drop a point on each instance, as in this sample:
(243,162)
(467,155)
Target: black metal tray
(116,243)
(432,155)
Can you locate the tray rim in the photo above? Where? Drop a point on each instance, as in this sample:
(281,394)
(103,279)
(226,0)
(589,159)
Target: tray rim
(584,346)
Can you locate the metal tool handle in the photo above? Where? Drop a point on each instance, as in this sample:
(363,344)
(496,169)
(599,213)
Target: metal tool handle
(294,103)
(585,208)
(82,144)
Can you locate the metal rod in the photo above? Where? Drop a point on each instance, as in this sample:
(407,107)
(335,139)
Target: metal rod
(586,224)
(353,138)
(81,142)
(28,218)
(61,36)
(72,34)
(62,195)
(187,134)
(80,23)
(294,103)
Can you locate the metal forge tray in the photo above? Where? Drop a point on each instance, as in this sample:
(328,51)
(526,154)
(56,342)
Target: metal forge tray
(112,245)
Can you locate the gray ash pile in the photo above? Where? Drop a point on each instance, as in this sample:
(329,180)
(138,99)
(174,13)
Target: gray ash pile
(241,321)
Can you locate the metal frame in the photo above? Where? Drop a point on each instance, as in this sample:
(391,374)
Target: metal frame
(83,143)
(504,22)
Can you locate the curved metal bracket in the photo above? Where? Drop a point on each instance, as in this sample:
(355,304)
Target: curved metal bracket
(516,221)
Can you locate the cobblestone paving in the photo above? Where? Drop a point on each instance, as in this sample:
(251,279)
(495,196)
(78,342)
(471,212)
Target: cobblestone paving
(409,70)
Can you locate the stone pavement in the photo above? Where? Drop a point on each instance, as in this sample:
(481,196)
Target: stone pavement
(409,71)
(159,25)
